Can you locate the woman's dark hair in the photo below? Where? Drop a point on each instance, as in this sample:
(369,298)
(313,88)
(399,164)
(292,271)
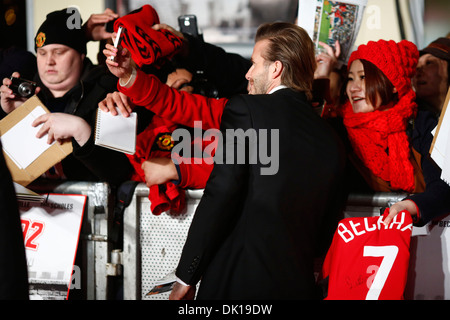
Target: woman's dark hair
(378,85)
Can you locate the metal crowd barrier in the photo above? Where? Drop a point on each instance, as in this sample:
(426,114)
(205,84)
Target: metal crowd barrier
(152,244)
(370,204)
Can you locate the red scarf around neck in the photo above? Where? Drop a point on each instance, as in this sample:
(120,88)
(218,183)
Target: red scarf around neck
(379,139)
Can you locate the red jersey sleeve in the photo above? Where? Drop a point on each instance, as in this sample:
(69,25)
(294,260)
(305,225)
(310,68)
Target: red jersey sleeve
(177,106)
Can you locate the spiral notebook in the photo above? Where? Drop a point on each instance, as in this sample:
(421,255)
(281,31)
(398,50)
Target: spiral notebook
(116,132)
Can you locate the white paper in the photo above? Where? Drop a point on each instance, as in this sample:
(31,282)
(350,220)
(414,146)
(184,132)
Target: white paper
(116,132)
(20,142)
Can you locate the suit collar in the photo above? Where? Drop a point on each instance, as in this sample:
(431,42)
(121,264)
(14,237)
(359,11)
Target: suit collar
(277,88)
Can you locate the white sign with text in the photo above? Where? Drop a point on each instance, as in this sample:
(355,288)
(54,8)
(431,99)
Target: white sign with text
(51,231)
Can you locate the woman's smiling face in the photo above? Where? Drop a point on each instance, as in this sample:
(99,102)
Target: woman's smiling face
(356,89)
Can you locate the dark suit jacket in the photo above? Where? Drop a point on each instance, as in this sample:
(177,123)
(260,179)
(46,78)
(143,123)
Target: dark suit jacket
(254,236)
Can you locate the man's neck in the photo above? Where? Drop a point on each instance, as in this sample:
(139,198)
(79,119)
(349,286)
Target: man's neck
(281,86)
(275,84)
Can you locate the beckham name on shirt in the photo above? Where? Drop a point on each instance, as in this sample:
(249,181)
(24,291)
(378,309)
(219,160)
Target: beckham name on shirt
(350,228)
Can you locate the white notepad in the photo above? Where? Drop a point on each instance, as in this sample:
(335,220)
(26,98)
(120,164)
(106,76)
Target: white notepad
(116,132)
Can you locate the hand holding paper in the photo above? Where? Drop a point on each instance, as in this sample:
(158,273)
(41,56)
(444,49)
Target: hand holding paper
(62,126)
(29,149)
(27,156)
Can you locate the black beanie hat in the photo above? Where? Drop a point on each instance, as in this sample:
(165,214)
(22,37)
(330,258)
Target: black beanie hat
(62,27)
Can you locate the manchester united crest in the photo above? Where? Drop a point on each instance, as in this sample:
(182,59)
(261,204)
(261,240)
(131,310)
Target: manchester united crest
(165,142)
(40,39)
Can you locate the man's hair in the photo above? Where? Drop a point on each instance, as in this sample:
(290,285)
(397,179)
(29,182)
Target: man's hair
(292,46)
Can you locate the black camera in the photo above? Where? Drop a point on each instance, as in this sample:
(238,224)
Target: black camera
(22,87)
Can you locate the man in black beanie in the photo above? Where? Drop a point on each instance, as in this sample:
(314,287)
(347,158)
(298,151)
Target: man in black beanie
(62,27)
(71,87)
(61,53)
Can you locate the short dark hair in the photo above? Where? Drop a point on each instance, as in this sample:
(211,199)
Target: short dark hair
(292,46)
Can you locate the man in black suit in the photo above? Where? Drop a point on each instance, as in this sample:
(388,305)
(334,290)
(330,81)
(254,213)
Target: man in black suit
(257,229)
(13,265)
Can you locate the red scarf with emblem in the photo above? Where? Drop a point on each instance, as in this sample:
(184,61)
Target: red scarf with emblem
(379,139)
(146,45)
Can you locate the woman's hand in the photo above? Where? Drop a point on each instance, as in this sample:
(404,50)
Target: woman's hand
(327,61)
(398,207)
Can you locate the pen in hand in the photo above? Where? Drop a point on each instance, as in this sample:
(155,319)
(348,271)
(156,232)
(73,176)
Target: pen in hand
(116,41)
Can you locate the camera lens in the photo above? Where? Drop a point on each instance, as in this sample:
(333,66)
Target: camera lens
(25,89)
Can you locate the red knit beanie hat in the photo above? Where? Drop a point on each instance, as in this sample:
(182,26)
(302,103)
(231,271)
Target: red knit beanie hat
(397,60)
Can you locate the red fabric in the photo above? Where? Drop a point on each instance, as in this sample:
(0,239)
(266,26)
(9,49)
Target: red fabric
(178,106)
(162,197)
(146,45)
(184,109)
(379,139)
(194,172)
(397,60)
(368,261)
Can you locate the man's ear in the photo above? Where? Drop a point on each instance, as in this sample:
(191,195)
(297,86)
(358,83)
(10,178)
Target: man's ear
(277,69)
(394,90)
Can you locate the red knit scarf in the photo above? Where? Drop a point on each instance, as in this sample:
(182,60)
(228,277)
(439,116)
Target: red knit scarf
(379,139)
(146,45)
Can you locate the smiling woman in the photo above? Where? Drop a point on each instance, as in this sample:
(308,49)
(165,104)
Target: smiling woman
(379,104)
